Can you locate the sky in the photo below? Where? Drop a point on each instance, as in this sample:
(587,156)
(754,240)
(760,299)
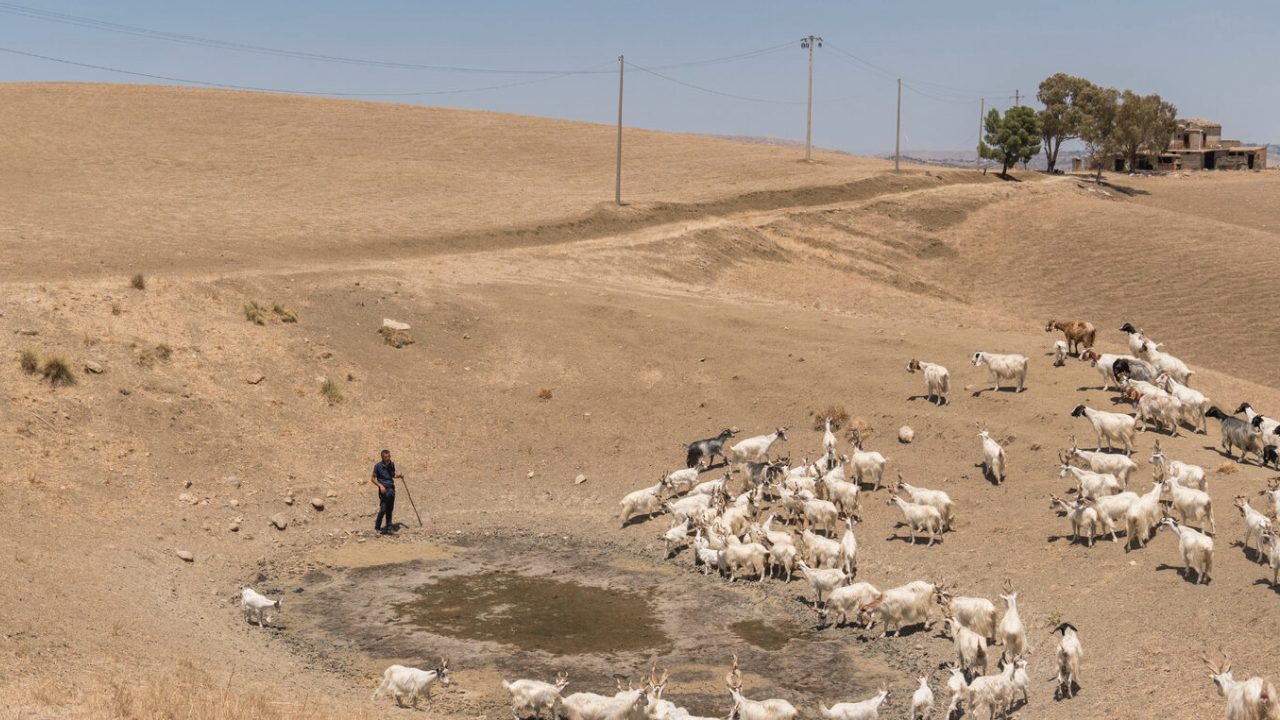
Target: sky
(724,68)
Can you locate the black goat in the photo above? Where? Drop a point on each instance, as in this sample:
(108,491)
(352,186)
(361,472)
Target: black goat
(708,449)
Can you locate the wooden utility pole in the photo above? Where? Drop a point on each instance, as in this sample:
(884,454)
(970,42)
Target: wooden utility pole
(1017,97)
(809,42)
(897,136)
(617,188)
(982,111)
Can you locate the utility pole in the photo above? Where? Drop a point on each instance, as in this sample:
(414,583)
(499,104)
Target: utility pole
(897,136)
(808,43)
(617,188)
(1017,97)
(982,111)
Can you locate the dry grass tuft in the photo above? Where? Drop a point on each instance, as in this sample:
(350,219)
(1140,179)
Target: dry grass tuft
(286,315)
(837,414)
(1227,468)
(859,430)
(254,313)
(57,372)
(29,361)
(138,282)
(395,338)
(163,351)
(331,392)
(544,394)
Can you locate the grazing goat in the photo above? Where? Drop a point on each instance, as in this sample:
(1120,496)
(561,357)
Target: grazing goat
(1115,428)
(992,457)
(849,548)
(1194,403)
(1069,655)
(756,449)
(1059,353)
(994,693)
(977,614)
(1078,333)
(707,449)
(937,381)
(1083,515)
(1106,366)
(645,501)
(412,683)
(1237,433)
(865,710)
(256,606)
(957,690)
(626,705)
(1252,699)
(922,700)
(1112,508)
(1012,368)
(678,534)
(898,607)
(847,601)
(1143,517)
(937,499)
(971,648)
(1118,465)
(1255,523)
(1196,548)
(746,558)
(1186,475)
(533,696)
(1166,363)
(744,709)
(1010,632)
(1163,410)
(1191,504)
(823,582)
(922,518)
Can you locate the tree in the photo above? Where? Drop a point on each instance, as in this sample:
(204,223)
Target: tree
(1060,118)
(1011,139)
(1144,127)
(1097,122)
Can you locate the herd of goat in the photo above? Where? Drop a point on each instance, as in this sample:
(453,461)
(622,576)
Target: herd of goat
(776,518)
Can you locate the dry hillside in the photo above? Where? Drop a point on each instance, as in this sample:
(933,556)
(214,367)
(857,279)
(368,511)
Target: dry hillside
(558,335)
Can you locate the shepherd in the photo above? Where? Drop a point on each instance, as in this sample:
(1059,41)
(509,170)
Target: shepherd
(384,476)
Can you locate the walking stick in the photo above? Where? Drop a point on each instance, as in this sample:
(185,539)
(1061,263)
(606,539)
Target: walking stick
(411,503)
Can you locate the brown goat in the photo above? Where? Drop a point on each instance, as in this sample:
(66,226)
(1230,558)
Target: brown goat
(1079,333)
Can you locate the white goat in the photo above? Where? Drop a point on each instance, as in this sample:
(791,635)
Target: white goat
(1143,517)
(1272,541)
(1105,365)
(645,501)
(824,581)
(868,467)
(689,507)
(921,518)
(849,547)
(829,439)
(1163,410)
(1069,655)
(678,535)
(822,552)
(626,705)
(1060,353)
(706,555)
(822,515)
(937,381)
(756,449)
(534,696)
(1092,484)
(977,614)
(1021,680)
(992,457)
(746,558)
(1194,403)
(1119,465)
(1191,504)
(744,709)
(994,693)
(845,495)
(406,682)
(1252,699)
(847,601)
(971,647)
(685,479)
(1166,363)
(1114,509)
(1255,523)
(1196,548)
(255,606)
(922,700)
(1084,517)
(1012,368)
(898,607)
(1011,632)
(1273,492)
(1186,475)
(865,710)
(936,499)
(1114,427)
(1136,339)
(957,690)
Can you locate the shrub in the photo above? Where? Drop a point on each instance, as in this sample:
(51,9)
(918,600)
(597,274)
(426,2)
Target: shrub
(859,430)
(286,315)
(30,361)
(837,413)
(544,394)
(1227,468)
(254,313)
(395,338)
(57,372)
(163,351)
(331,392)
(139,282)
(146,357)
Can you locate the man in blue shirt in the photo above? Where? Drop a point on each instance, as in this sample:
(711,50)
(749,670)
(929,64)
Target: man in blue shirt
(384,476)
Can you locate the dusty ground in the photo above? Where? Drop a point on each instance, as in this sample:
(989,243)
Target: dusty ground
(739,288)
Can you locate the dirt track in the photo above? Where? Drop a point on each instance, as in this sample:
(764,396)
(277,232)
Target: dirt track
(774,302)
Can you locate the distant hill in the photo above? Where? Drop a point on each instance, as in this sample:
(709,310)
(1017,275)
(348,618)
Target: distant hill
(967,158)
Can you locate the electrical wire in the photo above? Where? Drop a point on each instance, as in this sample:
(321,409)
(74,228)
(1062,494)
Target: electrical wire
(715,92)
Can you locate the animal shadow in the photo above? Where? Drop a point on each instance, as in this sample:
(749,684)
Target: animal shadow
(1183,572)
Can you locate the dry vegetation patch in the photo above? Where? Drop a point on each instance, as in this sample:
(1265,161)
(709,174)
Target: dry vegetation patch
(394,337)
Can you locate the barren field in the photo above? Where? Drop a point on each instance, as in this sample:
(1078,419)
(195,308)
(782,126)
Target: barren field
(558,336)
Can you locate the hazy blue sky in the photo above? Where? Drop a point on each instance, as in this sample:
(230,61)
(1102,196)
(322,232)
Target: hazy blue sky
(1213,60)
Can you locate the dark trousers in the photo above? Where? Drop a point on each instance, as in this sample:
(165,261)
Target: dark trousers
(386,504)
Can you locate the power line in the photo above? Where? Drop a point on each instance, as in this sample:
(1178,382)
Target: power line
(716,92)
(228,86)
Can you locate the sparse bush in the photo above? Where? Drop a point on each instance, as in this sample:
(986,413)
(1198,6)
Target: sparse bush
(30,361)
(837,413)
(138,281)
(1227,468)
(146,357)
(331,392)
(57,372)
(1055,619)
(126,391)
(858,431)
(286,315)
(116,309)
(163,351)
(544,394)
(395,338)
(254,313)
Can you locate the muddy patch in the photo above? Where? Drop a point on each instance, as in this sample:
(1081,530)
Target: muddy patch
(531,607)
